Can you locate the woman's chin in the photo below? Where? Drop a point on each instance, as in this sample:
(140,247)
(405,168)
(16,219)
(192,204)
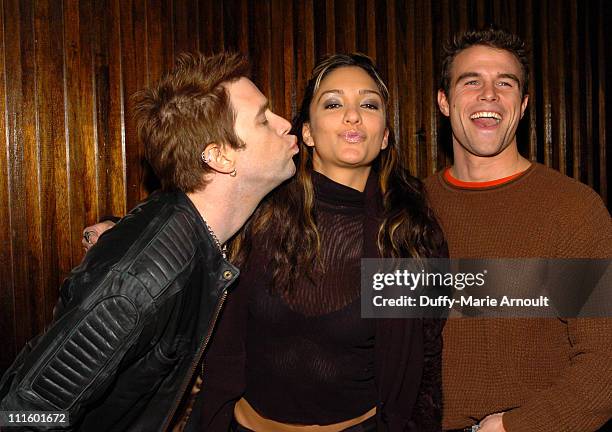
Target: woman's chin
(352,157)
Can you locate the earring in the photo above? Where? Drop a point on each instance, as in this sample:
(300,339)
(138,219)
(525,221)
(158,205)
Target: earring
(233,173)
(206,159)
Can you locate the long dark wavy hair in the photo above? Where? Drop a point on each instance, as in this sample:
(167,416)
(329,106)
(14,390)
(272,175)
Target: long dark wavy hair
(285,224)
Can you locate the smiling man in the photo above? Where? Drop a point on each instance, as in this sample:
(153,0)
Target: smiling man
(488,101)
(514,375)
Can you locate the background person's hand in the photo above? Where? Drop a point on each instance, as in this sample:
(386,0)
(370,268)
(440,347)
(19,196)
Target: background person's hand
(92,233)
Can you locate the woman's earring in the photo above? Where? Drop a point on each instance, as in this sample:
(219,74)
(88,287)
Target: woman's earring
(233,173)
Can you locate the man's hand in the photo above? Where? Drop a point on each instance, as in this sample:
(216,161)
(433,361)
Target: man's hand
(92,233)
(492,423)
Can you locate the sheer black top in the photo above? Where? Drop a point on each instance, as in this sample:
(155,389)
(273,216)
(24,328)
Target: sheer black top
(310,356)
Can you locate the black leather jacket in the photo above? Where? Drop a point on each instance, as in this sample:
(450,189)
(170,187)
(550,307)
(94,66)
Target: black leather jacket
(131,324)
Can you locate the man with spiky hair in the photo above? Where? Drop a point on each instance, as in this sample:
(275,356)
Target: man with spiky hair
(134,318)
(514,374)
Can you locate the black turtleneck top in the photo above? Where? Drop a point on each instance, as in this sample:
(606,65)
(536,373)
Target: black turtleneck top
(306,356)
(310,356)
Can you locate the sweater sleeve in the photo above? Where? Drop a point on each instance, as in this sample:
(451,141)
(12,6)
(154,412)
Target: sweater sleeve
(581,399)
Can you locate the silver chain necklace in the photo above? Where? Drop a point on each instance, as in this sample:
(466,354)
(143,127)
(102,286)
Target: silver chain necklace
(222,249)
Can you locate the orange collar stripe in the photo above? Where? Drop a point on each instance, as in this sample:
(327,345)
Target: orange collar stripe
(478,185)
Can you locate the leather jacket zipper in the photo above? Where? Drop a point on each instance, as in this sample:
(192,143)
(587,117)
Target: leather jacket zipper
(197,361)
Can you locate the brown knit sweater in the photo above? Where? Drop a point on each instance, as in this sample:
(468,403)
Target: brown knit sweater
(548,375)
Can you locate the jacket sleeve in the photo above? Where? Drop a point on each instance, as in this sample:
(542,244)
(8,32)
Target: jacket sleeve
(76,359)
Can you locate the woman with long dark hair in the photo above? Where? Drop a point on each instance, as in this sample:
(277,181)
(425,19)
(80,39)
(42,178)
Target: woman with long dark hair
(309,361)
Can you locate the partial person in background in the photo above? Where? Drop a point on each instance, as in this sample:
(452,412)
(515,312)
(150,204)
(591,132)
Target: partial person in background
(292,352)
(135,317)
(514,375)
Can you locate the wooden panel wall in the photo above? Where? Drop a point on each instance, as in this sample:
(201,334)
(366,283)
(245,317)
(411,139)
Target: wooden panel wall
(67,68)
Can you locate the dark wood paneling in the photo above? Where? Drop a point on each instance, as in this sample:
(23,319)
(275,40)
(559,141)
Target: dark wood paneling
(109,108)
(21,143)
(304,48)
(134,76)
(603,13)
(54,210)
(7,258)
(260,37)
(68,67)
(186,25)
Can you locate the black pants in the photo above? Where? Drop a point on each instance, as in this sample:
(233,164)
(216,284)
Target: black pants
(367,426)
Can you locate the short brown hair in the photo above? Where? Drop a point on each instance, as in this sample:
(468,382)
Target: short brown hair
(491,37)
(185,111)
